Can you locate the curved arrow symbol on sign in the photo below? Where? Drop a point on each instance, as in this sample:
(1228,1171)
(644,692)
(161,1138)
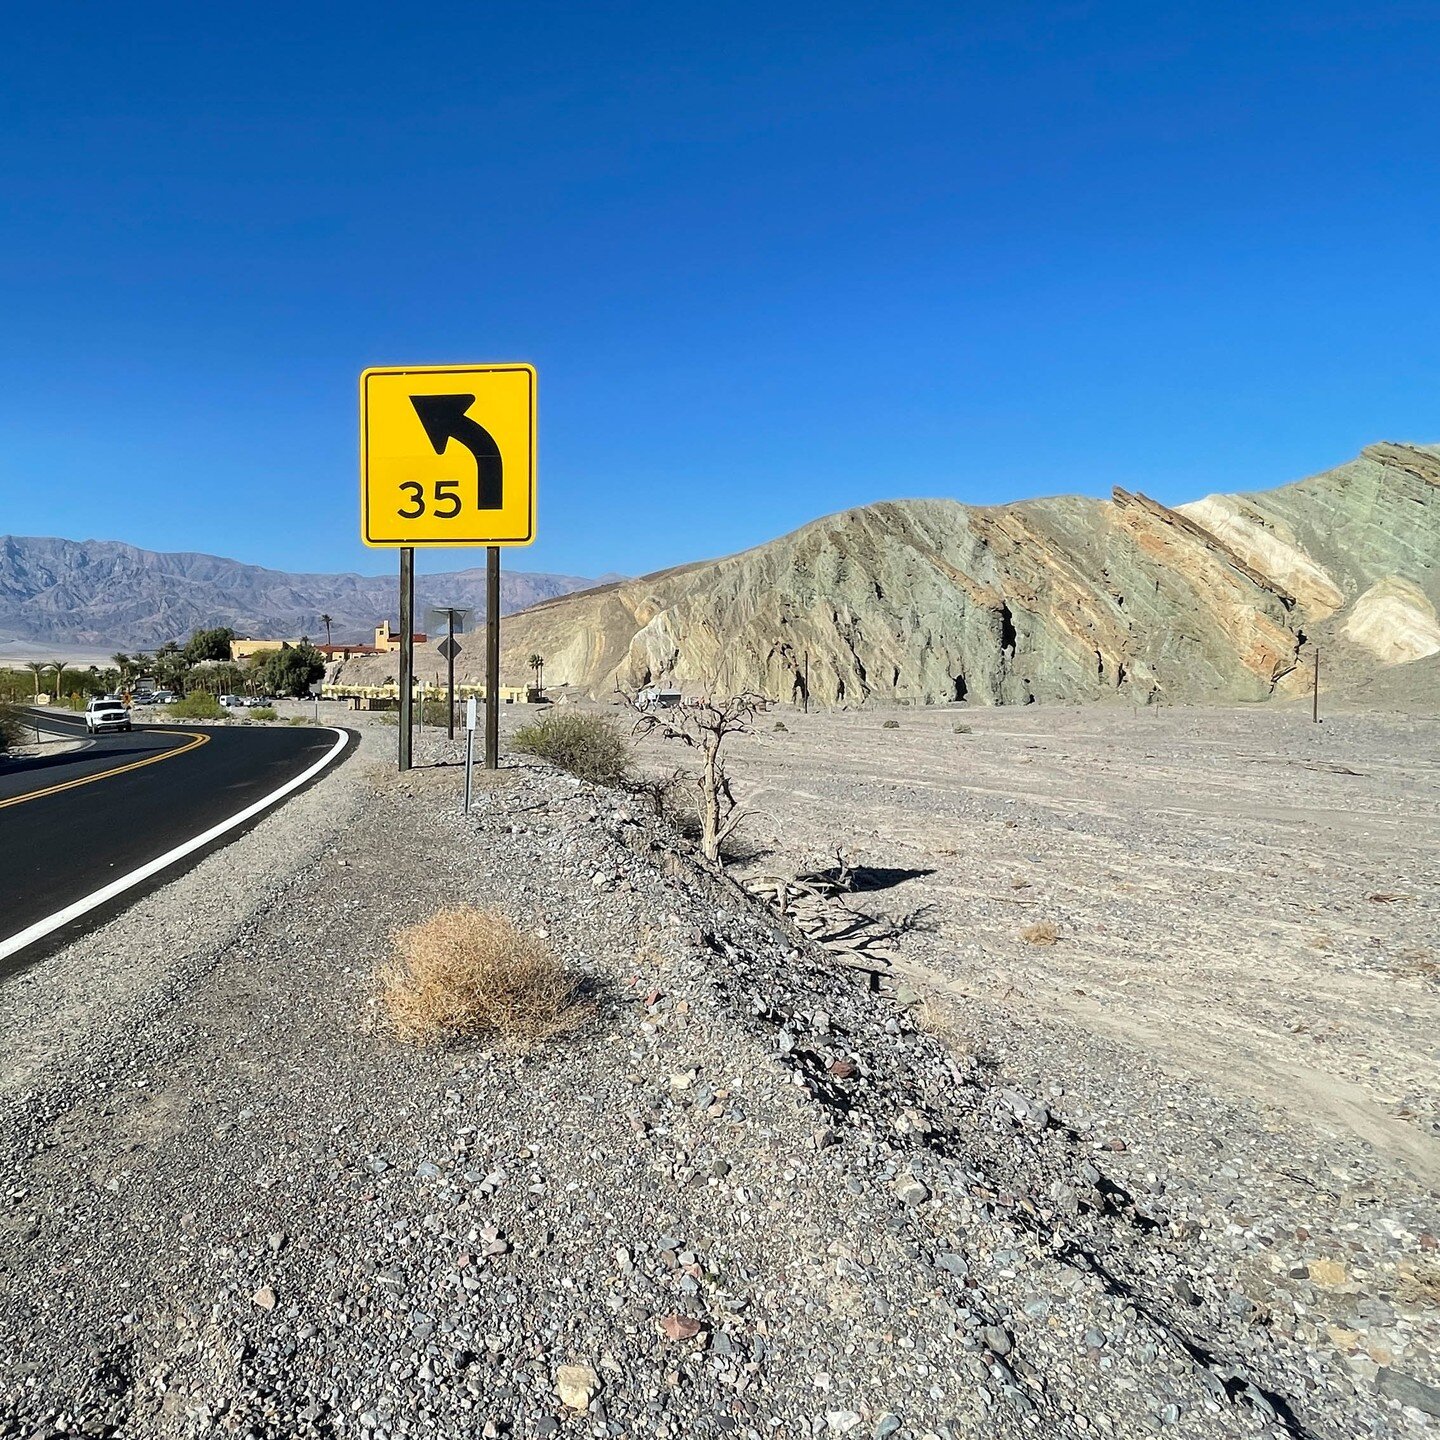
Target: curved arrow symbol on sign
(444,419)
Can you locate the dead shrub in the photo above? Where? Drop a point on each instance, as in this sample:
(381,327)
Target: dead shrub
(1418,965)
(1040,933)
(704,725)
(661,793)
(940,1016)
(891,725)
(960,729)
(13,731)
(1419,1285)
(470,974)
(590,746)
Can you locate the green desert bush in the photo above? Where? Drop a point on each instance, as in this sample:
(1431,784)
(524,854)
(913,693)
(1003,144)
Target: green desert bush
(297,720)
(591,746)
(264,713)
(197,705)
(472,975)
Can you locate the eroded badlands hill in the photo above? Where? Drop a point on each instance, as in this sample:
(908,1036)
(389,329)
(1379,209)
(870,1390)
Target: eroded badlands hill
(1059,599)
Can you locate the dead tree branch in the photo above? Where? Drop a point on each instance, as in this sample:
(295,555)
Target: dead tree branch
(703,725)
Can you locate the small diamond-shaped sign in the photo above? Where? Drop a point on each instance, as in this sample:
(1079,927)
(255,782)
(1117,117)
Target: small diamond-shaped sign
(449,648)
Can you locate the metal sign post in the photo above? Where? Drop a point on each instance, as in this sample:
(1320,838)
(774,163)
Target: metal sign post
(492,658)
(470,718)
(407,648)
(455,617)
(450,675)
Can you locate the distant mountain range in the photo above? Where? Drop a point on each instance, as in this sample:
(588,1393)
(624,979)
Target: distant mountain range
(917,601)
(104,595)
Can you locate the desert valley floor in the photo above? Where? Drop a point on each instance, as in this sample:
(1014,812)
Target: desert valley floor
(1140,1136)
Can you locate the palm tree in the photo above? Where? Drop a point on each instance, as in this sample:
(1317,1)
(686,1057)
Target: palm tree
(59,666)
(327,621)
(169,666)
(39,667)
(537,664)
(122,663)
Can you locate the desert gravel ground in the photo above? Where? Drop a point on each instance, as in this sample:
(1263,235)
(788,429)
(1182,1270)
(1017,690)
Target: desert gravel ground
(1239,894)
(750,1199)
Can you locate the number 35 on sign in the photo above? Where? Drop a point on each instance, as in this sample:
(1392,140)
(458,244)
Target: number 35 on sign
(447,455)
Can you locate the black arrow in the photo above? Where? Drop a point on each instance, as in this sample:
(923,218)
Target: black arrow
(444,419)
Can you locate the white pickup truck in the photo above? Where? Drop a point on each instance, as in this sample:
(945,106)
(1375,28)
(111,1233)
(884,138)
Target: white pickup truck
(103,715)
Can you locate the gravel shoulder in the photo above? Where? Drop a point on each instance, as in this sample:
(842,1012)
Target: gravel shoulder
(751,1199)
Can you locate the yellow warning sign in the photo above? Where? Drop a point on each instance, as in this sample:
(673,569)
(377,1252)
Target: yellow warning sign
(447,455)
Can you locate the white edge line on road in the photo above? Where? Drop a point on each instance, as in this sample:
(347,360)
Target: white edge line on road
(50,923)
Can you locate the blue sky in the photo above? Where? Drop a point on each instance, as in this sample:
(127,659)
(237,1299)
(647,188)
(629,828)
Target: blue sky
(771,260)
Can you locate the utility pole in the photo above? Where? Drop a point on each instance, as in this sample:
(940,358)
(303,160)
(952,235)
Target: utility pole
(407,648)
(806,692)
(1315,698)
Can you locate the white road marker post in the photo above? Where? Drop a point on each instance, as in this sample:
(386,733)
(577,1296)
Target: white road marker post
(472,715)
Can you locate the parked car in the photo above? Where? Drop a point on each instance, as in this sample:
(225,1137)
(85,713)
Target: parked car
(107,714)
(233,702)
(164,697)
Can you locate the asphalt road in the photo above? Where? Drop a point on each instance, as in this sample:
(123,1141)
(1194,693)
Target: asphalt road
(74,823)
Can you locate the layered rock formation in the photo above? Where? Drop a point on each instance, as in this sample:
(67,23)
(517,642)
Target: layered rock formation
(1065,599)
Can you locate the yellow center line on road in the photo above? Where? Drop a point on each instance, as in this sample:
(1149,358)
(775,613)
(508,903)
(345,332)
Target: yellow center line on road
(196,739)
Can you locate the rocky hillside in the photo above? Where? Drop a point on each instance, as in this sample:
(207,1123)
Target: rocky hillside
(1050,600)
(104,593)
